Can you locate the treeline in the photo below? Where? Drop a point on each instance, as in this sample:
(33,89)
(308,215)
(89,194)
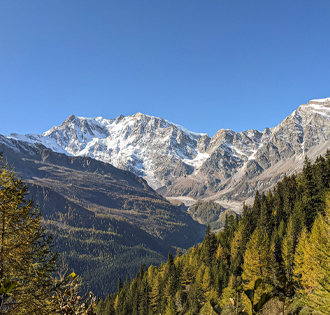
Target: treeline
(273,252)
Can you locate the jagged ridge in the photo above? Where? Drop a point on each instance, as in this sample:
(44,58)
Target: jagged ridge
(229,166)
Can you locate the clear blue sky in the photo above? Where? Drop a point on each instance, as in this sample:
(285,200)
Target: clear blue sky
(204,64)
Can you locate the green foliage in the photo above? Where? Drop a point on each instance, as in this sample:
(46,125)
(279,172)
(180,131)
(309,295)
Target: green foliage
(26,261)
(312,263)
(251,294)
(255,258)
(106,222)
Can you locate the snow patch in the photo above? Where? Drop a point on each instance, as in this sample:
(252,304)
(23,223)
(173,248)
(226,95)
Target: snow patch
(198,161)
(321,100)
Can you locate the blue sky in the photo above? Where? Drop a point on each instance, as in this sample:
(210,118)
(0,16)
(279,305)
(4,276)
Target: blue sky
(205,65)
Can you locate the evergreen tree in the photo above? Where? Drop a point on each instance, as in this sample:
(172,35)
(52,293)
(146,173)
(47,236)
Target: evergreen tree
(276,246)
(26,262)
(237,250)
(209,246)
(289,195)
(119,285)
(259,246)
(309,196)
(247,222)
(265,221)
(278,203)
(256,209)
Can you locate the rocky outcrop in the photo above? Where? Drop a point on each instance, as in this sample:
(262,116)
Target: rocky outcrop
(229,166)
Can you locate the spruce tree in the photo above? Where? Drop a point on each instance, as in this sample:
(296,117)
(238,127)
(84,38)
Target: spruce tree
(265,221)
(26,261)
(256,210)
(119,285)
(310,199)
(209,246)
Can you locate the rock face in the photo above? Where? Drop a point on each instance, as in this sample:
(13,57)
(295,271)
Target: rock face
(230,166)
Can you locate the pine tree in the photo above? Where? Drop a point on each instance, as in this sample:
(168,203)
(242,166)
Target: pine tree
(26,262)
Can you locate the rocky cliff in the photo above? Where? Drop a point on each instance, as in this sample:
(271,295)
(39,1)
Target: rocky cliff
(228,167)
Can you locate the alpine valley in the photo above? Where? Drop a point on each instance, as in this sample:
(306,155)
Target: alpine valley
(110,190)
(106,222)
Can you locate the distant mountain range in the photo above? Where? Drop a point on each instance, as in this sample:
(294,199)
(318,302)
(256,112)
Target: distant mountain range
(227,168)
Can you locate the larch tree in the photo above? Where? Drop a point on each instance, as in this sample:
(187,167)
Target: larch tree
(288,250)
(26,261)
(257,265)
(236,250)
(206,282)
(312,263)
(256,258)
(170,308)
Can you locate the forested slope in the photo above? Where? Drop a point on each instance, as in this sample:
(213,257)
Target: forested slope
(262,244)
(105,221)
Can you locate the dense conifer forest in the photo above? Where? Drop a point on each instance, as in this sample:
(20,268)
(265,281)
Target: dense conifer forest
(274,259)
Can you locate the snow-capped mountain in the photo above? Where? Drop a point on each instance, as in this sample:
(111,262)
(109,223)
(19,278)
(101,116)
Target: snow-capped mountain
(137,143)
(229,166)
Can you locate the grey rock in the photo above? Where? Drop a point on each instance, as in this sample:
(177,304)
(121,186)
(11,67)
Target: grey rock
(229,166)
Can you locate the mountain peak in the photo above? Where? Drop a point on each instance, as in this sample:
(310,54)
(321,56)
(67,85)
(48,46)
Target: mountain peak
(181,162)
(322,101)
(71,118)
